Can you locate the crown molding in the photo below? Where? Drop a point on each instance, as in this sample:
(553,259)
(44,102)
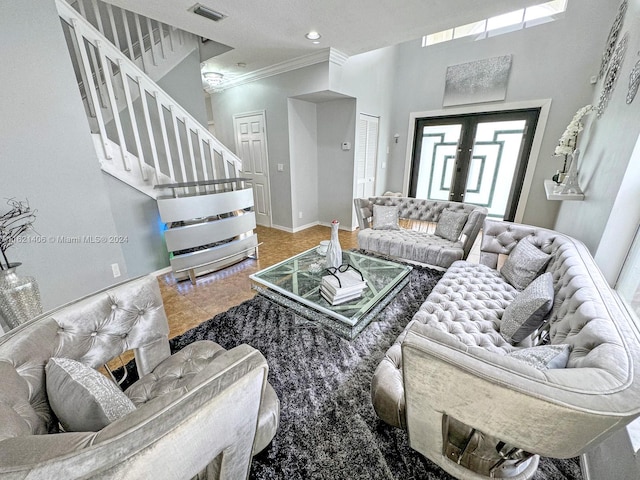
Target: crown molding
(337,57)
(327,55)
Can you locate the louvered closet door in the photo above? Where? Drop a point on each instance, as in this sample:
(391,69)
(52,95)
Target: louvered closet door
(366,155)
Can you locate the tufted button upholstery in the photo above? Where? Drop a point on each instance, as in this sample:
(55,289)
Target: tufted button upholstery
(180,370)
(416,243)
(93,331)
(464,311)
(175,372)
(467,303)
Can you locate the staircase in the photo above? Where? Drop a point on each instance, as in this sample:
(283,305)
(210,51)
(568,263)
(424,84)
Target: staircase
(142,136)
(146,139)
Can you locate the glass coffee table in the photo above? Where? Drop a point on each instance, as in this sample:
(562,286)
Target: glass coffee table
(295,283)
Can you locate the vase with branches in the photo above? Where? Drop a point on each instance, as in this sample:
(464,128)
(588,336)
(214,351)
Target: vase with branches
(16,221)
(19,295)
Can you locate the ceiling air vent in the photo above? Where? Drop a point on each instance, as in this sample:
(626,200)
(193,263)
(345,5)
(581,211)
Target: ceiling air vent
(208,13)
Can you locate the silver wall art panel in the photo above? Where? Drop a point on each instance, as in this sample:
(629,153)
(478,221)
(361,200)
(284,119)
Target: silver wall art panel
(477,82)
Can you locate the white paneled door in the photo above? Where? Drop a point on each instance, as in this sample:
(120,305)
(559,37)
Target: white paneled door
(251,147)
(366,155)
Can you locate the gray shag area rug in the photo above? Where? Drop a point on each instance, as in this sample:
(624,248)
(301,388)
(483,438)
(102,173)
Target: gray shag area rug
(328,428)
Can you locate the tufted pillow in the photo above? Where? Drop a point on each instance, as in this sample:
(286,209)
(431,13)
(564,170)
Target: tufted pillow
(543,356)
(82,398)
(450,225)
(385,217)
(524,264)
(527,311)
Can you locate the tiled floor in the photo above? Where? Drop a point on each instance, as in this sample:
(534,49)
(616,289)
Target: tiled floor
(188,305)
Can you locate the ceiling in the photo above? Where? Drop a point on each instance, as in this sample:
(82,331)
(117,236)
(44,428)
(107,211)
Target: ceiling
(263,33)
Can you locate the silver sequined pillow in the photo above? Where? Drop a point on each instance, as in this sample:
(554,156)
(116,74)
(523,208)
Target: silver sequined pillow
(82,398)
(544,357)
(527,311)
(524,264)
(450,225)
(385,217)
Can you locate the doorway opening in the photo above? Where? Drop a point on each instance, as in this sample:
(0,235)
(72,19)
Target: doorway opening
(478,158)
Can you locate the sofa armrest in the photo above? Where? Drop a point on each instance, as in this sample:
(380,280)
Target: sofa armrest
(513,402)
(364,212)
(472,228)
(174,436)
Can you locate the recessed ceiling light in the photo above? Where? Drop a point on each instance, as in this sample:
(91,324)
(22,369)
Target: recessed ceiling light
(313,35)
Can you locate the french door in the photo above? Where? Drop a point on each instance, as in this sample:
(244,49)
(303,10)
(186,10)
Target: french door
(475,158)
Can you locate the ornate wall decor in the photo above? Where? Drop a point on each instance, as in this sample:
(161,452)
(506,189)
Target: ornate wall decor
(477,82)
(612,74)
(613,38)
(634,82)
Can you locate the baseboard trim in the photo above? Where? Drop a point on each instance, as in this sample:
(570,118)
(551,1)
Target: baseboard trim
(284,229)
(304,227)
(342,227)
(296,229)
(162,271)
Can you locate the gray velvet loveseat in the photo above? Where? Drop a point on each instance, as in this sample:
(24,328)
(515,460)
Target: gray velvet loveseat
(417,232)
(200,412)
(480,402)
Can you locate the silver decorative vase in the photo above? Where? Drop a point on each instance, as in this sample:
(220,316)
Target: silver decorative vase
(334,251)
(19,297)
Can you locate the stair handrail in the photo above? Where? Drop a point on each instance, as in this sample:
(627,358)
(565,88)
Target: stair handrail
(85,31)
(173,35)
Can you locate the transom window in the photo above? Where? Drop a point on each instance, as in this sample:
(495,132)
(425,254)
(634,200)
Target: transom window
(507,22)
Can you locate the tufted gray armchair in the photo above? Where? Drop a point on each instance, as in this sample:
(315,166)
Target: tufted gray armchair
(415,240)
(197,411)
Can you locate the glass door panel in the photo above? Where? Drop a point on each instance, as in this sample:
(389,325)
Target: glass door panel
(438,159)
(476,158)
(493,163)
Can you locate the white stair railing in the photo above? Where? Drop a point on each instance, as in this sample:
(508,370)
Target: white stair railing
(132,111)
(143,40)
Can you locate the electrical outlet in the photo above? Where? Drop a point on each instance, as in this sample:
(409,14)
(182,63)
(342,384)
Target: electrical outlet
(115,268)
(299,214)
(281,167)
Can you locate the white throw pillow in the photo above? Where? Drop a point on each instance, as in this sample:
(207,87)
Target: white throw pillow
(82,398)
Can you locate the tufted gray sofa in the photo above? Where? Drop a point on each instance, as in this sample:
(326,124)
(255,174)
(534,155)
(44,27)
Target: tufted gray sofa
(200,413)
(469,406)
(417,243)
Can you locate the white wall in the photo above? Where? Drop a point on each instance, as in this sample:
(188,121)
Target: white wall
(136,218)
(303,150)
(47,157)
(271,95)
(336,124)
(184,84)
(607,145)
(554,60)
(370,77)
